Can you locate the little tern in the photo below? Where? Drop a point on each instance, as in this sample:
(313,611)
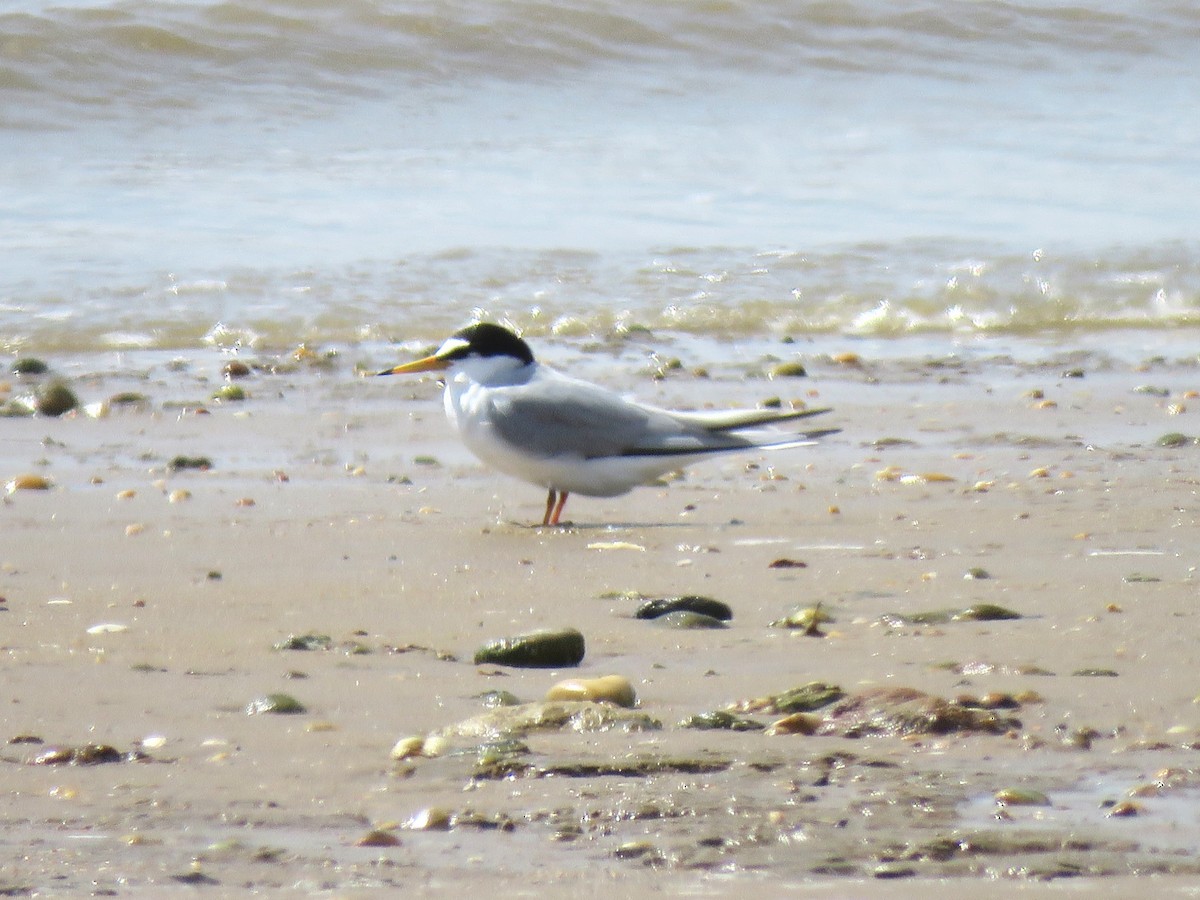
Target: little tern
(571,436)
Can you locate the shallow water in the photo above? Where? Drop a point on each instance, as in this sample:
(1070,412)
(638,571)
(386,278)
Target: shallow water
(172,173)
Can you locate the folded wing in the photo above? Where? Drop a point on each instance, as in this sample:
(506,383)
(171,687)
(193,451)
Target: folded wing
(565,417)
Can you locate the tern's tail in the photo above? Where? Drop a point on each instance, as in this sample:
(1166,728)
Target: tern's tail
(803,439)
(723,420)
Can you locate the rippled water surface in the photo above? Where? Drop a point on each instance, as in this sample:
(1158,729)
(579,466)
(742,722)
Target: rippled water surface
(334,171)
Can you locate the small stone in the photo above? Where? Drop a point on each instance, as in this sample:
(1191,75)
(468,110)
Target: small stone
(278,704)
(539,649)
(377,837)
(788,370)
(720,720)
(634,850)
(707,606)
(784,563)
(28,482)
(985,612)
(230,393)
(54,399)
(191,462)
(607,689)
(1173,439)
(29,365)
(686,620)
(493,699)
(1021,797)
(309,641)
(806,698)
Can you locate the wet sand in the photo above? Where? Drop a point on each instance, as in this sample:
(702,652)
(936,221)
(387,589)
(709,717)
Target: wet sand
(340,506)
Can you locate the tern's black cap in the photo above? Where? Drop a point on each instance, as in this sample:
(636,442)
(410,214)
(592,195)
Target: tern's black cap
(489,339)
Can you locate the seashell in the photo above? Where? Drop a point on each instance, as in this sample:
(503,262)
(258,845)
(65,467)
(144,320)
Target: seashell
(1125,809)
(809,619)
(108,628)
(179,495)
(796,723)
(435,745)
(432,818)
(409,747)
(616,545)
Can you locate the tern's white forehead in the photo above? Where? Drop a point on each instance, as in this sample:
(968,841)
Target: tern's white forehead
(453,344)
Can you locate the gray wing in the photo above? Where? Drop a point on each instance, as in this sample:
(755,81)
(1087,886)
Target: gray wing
(562,416)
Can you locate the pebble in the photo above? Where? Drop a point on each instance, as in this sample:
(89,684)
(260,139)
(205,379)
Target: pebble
(55,399)
(1021,797)
(279,704)
(706,606)
(377,837)
(546,649)
(28,482)
(690,621)
(613,689)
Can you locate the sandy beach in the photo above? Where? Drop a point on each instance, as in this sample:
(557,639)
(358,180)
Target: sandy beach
(143,605)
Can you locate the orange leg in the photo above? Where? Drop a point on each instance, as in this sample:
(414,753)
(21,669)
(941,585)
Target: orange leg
(558,507)
(550,498)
